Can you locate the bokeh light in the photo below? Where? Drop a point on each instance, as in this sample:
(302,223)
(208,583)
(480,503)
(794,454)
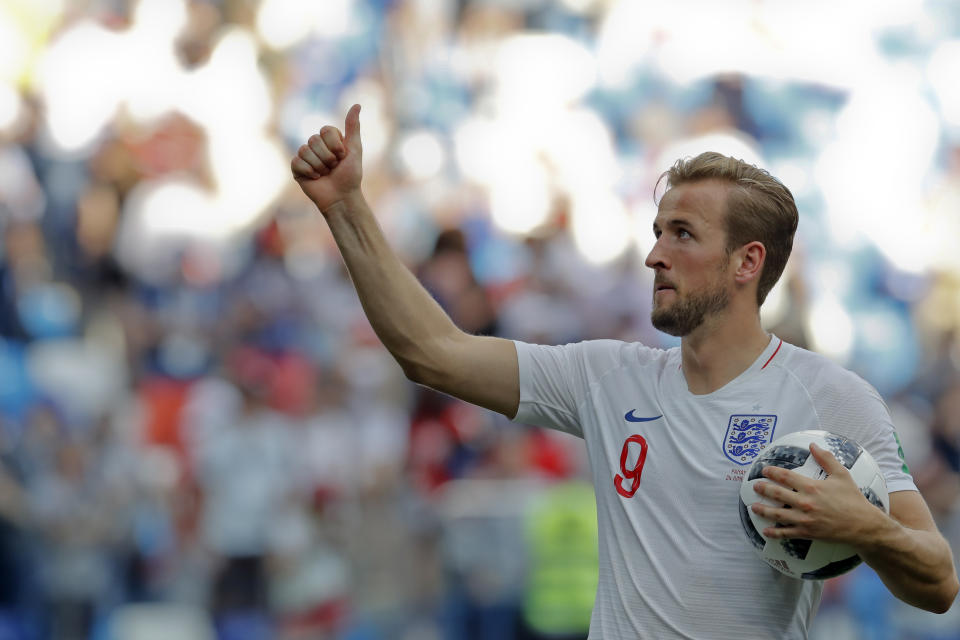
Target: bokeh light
(422,154)
(11,107)
(81,82)
(831,329)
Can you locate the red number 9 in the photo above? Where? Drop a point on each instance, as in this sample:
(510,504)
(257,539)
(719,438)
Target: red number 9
(630,474)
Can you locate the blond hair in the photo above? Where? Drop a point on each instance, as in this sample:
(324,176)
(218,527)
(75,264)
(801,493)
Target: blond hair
(759,208)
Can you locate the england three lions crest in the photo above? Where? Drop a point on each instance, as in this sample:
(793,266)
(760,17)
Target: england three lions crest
(747,436)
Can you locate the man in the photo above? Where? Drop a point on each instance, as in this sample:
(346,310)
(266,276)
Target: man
(674,562)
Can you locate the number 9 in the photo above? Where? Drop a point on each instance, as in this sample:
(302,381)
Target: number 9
(630,474)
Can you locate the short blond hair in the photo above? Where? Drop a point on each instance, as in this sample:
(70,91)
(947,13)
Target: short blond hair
(759,208)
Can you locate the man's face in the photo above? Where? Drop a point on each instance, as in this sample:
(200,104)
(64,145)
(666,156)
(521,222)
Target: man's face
(689,259)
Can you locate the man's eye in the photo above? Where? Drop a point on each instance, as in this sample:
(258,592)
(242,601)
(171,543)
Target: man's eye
(683,233)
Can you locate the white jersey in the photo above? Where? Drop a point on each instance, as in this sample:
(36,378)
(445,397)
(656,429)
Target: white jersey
(674,559)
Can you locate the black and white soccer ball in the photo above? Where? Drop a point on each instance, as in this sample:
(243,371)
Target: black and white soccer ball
(798,558)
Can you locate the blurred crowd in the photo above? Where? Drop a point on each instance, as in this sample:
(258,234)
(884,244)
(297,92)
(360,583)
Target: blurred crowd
(215,444)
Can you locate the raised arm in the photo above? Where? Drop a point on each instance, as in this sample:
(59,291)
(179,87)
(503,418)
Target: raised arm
(428,346)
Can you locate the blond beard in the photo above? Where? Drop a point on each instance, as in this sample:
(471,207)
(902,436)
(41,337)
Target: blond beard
(684,316)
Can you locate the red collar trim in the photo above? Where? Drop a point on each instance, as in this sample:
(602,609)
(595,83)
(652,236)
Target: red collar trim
(772,356)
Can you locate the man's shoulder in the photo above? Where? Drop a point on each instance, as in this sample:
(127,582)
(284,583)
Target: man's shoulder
(610,346)
(818,372)
(595,358)
(844,402)
(629,353)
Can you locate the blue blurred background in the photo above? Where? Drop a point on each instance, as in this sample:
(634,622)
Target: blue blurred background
(200,435)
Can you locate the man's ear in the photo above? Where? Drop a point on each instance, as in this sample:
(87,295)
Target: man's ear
(749,265)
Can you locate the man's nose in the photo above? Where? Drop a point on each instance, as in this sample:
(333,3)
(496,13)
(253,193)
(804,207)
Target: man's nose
(656,258)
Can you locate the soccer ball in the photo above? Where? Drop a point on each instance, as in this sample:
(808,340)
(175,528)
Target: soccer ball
(798,558)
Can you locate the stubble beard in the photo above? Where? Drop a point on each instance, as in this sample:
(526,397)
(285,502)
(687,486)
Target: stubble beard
(685,315)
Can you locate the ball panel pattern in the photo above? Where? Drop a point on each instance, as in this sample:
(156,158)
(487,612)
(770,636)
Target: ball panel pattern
(757,540)
(797,547)
(801,558)
(784,456)
(872,496)
(846,451)
(833,569)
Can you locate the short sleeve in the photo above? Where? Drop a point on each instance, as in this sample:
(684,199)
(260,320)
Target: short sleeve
(554,380)
(856,410)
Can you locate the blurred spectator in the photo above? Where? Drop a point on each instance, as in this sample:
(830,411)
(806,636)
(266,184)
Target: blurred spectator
(244,470)
(562,549)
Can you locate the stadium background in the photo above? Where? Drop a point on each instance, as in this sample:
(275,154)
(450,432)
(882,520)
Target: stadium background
(200,430)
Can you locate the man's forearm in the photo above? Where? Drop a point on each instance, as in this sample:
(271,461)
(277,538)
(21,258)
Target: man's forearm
(915,565)
(404,316)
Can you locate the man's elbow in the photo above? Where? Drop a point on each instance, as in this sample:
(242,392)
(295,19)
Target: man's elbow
(412,372)
(948,597)
(420,374)
(412,361)
(427,365)
(943,598)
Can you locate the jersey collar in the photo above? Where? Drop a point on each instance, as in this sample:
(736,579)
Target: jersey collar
(763,361)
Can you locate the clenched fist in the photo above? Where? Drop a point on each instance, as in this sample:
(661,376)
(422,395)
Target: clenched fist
(329,167)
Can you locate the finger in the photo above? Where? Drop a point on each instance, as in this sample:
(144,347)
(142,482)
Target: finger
(302,170)
(785,532)
(334,141)
(307,155)
(826,460)
(319,147)
(787,478)
(777,493)
(784,516)
(352,129)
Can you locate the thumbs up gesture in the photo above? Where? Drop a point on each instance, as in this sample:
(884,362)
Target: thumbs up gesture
(329,167)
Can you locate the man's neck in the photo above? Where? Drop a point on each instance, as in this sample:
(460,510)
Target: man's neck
(720,350)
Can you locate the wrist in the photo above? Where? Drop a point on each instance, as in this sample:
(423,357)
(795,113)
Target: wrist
(349,202)
(877,532)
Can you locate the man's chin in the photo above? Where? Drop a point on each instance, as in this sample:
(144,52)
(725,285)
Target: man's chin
(669,324)
(682,317)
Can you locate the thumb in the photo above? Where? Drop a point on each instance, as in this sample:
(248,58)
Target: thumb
(352,128)
(826,460)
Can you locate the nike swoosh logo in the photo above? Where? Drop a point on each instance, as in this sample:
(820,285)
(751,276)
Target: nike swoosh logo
(629,417)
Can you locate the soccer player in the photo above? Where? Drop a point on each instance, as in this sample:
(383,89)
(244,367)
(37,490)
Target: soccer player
(666,466)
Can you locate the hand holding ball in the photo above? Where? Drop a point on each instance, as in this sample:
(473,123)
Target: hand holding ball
(798,557)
